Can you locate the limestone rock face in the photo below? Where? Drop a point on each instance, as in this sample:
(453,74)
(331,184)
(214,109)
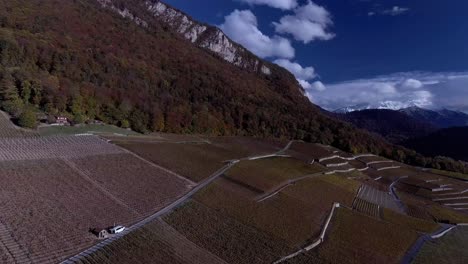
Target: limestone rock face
(204,36)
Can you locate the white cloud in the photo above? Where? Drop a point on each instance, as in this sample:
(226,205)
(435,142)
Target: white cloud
(412,84)
(310,22)
(318,86)
(396,11)
(305,84)
(302,74)
(428,90)
(295,68)
(281,4)
(459,76)
(242,27)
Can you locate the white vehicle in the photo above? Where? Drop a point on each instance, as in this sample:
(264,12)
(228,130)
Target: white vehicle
(117,229)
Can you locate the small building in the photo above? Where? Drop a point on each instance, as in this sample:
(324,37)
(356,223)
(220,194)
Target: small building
(58,121)
(61,120)
(101,233)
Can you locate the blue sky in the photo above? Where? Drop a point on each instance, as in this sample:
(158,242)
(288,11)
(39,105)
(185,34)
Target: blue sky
(349,52)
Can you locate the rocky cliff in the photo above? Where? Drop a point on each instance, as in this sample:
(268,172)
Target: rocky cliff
(202,35)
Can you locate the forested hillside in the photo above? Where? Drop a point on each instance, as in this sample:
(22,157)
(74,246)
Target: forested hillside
(451,142)
(78,59)
(75,57)
(395,126)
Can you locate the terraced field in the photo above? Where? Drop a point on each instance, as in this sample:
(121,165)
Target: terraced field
(197,161)
(295,214)
(335,162)
(139,185)
(259,211)
(226,237)
(54,190)
(455,175)
(194,161)
(322,192)
(366,207)
(266,174)
(278,216)
(420,225)
(38,216)
(359,165)
(357,238)
(249,146)
(385,166)
(9,130)
(417,212)
(309,152)
(156,242)
(448,249)
(384,199)
(373,159)
(444,214)
(12,149)
(391,174)
(228,217)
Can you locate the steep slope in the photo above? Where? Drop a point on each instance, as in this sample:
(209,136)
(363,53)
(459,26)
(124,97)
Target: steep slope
(450,142)
(393,125)
(442,118)
(124,65)
(86,61)
(202,35)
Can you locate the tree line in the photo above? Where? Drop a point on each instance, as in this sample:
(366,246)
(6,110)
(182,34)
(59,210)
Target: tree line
(75,59)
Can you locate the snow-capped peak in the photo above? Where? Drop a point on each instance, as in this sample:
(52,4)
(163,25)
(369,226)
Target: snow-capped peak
(391,105)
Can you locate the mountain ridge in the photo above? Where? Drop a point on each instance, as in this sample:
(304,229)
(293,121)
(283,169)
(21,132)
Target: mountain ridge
(393,125)
(443,118)
(388,105)
(87,62)
(201,34)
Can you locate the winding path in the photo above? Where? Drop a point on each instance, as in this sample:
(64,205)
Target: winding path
(154,216)
(287,184)
(317,242)
(414,250)
(168,208)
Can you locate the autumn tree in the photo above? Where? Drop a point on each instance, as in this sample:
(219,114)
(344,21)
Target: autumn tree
(27,119)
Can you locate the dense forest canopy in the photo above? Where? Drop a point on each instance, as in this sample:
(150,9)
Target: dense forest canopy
(75,58)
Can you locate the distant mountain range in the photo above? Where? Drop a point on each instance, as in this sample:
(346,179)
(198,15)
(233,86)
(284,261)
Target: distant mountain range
(389,105)
(393,125)
(440,118)
(443,118)
(430,132)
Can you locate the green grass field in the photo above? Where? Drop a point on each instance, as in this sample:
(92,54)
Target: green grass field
(92,129)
